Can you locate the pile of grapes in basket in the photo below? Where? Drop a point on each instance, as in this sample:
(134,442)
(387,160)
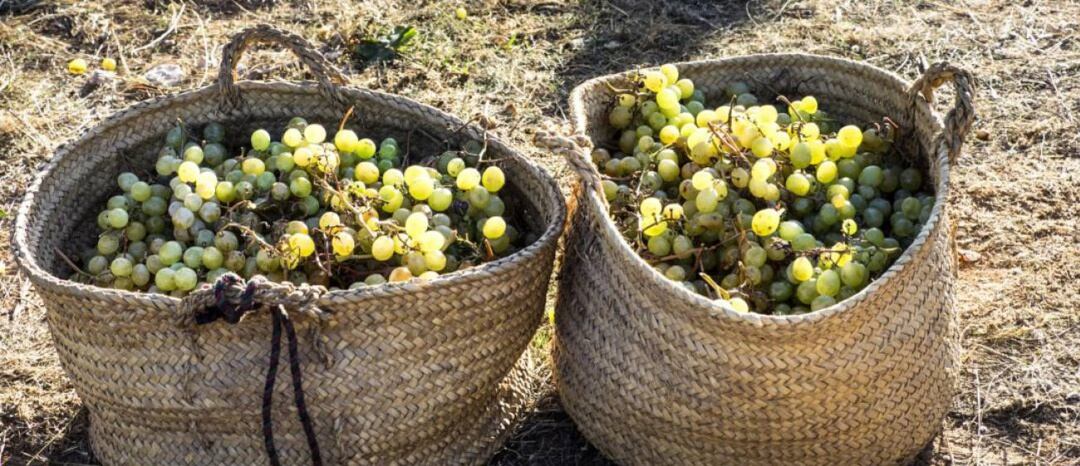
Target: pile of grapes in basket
(779,209)
(338,213)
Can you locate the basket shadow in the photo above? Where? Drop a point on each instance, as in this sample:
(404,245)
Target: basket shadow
(628,34)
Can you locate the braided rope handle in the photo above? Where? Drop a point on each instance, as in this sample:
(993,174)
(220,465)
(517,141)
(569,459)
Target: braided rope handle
(577,151)
(960,118)
(328,75)
(230,297)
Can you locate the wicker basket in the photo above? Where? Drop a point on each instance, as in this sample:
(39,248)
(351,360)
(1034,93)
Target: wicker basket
(412,373)
(654,374)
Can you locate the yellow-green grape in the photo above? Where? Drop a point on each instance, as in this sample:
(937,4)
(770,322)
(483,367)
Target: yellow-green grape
(763,169)
(739,304)
(667,99)
(422,188)
(761,147)
(850,136)
(365,148)
(391,197)
(77,66)
(493,179)
(413,173)
(343,243)
(765,222)
(431,240)
(435,260)
(303,156)
(780,140)
(468,179)
(673,212)
(669,134)
(817,152)
(314,134)
(455,166)
(826,172)
(382,249)
(292,137)
(809,104)
(801,269)
(302,244)
(654,81)
(416,224)
(740,177)
(393,177)
(848,227)
(345,141)
(766,115)
(366,172)
(707,200)
(702,180)
(295,226)
(440,199)
(668,170)
(164,279)
(194,154)
(253,166)
(809,131)
(117,218)
(260,140)
(651,207)
(798,184)
(670,72)
(627,100)
(686,88)
(329,220)
(494,227)
(188,172)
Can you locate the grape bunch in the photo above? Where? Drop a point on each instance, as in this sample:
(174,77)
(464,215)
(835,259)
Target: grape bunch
(339,213)
(776,210)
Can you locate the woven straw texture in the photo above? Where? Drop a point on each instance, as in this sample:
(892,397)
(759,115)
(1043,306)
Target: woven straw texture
(413,373)
(654,374)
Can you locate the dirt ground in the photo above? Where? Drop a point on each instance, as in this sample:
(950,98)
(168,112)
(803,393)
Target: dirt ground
(514,62)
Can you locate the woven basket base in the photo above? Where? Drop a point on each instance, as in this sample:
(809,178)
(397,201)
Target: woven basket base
(110,440)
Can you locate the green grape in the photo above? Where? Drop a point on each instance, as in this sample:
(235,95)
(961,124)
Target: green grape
(828,283)
(185,279)
(806,291)
(659,246)
(910,179)
(790,229)
(765,222)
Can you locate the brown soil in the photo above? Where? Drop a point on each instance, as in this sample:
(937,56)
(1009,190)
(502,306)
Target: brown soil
(513,62)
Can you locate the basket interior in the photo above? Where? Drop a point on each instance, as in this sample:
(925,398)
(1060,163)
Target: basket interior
(83,176)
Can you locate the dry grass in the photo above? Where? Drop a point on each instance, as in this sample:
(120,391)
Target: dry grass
(513,62)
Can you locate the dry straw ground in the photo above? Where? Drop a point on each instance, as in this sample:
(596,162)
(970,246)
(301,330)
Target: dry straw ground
(513,62)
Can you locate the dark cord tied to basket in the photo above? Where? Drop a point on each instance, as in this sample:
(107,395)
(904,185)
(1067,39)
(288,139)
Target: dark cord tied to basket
(231,299)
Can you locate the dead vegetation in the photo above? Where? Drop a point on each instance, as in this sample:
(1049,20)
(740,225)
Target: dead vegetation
(512,64)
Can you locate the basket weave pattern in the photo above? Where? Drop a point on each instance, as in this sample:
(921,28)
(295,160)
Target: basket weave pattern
(413,373)
(654,374)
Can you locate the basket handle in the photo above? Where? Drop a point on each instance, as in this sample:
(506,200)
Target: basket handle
(959,119)
(326,73)
(576,151)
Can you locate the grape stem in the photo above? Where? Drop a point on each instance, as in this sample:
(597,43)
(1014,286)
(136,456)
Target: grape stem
(72,264)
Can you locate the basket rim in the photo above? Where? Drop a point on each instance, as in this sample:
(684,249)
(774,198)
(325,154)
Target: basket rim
(28,263)
(718,309)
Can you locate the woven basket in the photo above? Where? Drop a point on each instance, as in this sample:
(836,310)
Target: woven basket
(655,374)
(411,373)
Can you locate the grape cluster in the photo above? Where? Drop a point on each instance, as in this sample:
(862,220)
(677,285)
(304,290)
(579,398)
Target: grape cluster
(337,213)
(778,212)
